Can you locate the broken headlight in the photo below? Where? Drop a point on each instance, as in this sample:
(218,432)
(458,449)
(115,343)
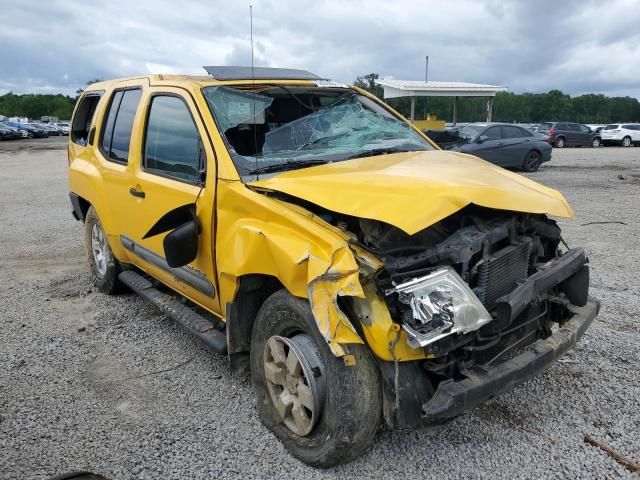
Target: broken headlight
(440,303)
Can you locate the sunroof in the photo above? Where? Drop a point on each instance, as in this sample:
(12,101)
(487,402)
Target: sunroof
(259,73)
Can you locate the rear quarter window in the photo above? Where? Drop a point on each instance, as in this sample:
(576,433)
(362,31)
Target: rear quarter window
(83,117)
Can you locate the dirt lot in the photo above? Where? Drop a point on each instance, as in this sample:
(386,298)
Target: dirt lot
(110,385)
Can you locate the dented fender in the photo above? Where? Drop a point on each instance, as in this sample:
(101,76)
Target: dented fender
(257,234)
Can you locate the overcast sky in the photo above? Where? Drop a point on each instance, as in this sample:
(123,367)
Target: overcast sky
(576,46)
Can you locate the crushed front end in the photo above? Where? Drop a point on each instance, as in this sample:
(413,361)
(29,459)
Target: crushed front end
(491,297)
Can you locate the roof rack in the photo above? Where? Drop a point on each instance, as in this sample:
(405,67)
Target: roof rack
(259,73)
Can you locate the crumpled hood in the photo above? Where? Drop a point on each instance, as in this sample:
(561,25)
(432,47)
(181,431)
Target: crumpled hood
(414,190)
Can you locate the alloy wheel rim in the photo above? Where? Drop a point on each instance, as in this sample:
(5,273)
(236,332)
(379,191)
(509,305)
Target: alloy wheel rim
(98,249)
(626,142)
(294,375)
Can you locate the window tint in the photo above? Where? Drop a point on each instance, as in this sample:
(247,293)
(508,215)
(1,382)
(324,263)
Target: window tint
(561,126)
(512,132)
(124,124)
(584,129)
(611,127)
(172,143)
(81,123)
(629,127)
(117,131)
(107,134)
(492,133)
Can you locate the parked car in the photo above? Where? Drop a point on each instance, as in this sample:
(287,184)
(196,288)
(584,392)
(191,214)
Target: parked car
(504,144)
(52,129)
(564,134)
(63,126)
(625,134)
(8,132)
(33,132)
(324,244)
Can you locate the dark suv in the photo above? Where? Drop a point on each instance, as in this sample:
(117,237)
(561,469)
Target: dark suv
(564,134)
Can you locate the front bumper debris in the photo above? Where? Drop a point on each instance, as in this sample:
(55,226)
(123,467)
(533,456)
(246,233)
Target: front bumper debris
(452,398)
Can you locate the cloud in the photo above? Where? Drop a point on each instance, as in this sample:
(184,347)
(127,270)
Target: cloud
(577,46)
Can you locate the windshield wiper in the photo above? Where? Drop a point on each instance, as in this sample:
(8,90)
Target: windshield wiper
(289,165)
(383,151)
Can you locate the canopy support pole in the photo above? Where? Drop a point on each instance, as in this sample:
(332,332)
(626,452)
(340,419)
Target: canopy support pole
(489,109)
(413,108)
(455,110)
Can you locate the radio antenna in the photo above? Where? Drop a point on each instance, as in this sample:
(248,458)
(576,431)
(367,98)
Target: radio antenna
(253,93)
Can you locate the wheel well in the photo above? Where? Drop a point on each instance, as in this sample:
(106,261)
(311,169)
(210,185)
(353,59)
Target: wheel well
(80,206)
(253,290)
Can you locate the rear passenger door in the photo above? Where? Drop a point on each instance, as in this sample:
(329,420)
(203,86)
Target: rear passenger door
(174,168)
(113,141)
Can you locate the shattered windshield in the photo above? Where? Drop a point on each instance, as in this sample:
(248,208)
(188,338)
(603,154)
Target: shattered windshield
(277,128)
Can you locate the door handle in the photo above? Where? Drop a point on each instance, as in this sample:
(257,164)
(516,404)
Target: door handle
(136,193)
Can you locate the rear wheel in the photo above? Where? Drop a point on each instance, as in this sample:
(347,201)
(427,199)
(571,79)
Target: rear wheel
(559,143)
(103,265)
(595,143)
(324,412)
(532,161)
(626,142)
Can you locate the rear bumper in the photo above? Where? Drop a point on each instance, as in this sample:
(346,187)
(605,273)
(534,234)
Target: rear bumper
(452,398)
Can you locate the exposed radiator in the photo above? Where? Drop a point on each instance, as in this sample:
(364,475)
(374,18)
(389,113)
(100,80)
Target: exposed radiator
(499,274)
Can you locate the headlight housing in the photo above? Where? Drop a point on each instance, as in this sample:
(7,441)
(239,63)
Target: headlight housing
(441,304)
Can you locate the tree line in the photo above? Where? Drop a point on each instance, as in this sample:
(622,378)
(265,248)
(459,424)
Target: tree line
(507,106)
(511,107)
(36,105)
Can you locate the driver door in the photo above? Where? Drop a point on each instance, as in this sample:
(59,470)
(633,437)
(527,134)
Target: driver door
(172,170)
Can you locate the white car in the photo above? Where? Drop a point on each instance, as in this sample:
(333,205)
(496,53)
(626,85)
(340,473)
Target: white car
(64,127)
(626,134)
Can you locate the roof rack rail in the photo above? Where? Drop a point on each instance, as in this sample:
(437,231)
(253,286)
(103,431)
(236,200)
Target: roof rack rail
(259,73)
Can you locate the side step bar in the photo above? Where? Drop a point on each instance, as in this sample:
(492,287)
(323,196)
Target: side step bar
(196,324)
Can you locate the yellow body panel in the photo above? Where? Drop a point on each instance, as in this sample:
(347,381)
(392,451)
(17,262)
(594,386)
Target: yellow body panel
(247,231)
(416,189)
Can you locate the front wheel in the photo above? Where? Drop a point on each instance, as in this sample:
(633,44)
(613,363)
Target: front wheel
(532,161)
(323,411)
(103,265)
(626,142)
(559,143)
(595,143)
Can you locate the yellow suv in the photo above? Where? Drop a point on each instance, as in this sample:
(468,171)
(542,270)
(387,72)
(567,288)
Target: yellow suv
(309,232)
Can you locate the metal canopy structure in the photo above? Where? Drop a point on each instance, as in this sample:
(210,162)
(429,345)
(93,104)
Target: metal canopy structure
(417,88)
(259,73)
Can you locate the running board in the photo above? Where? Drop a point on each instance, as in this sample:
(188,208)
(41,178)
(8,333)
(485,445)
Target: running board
(187,317)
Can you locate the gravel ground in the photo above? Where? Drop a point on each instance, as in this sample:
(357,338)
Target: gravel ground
(108,384)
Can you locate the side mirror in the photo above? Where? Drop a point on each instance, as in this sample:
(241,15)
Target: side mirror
(181,245)
(482,139)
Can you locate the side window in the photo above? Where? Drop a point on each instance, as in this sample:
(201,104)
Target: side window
(492,133)
(562,126)
(584,129)
(81,123)
(116,134)
(512,132)
(172,144)
(574,127)
(628,127)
